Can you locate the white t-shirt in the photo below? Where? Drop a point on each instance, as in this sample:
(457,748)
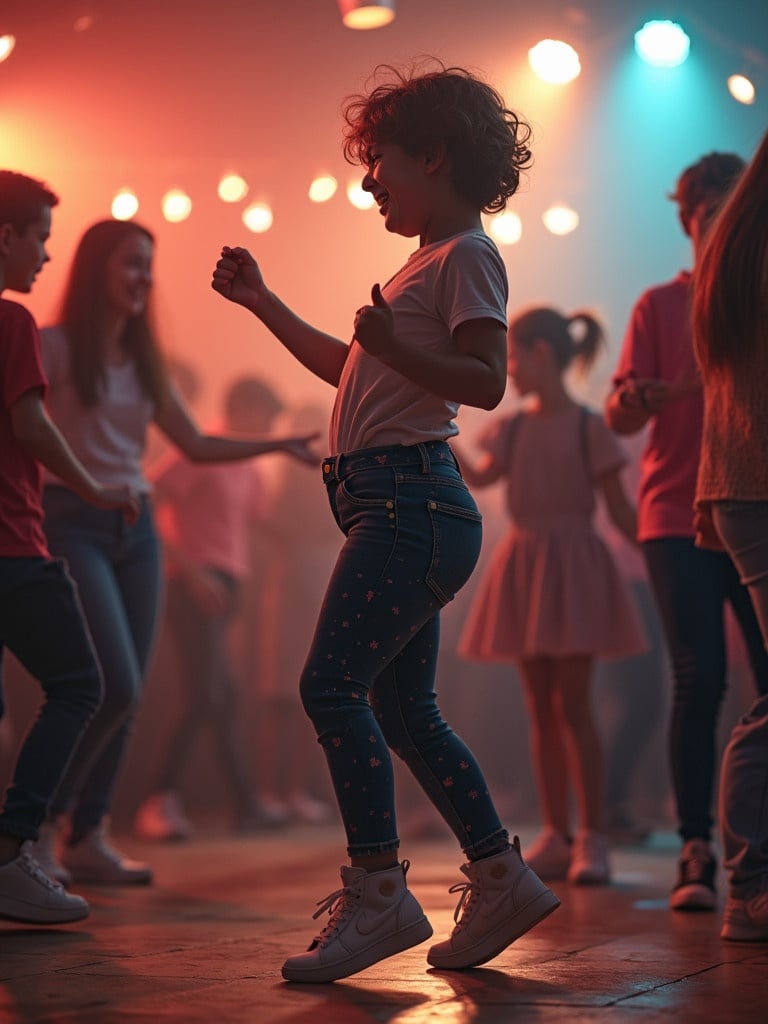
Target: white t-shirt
(109,438)
(441,286)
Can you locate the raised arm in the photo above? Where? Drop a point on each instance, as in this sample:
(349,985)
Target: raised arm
(473,373)
(237,277)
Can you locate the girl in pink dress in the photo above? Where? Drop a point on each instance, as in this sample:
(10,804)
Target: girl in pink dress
(552,599)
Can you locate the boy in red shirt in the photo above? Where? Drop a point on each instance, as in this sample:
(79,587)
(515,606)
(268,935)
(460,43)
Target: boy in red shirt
(40,617)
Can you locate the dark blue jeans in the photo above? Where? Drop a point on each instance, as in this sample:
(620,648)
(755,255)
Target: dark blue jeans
(413,535)
(42,624)
(691,586)
(117,570)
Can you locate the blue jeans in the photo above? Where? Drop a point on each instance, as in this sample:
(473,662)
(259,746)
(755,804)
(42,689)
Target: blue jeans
(118,574)
(743,528)
(691,586)
(42,624)
(413,535)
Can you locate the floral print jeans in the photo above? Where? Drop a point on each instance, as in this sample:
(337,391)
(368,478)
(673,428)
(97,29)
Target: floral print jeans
(413,535)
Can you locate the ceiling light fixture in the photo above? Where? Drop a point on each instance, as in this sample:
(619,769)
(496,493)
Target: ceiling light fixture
(364,14)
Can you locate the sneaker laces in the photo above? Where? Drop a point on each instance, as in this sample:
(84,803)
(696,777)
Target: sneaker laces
(339,905)
(29,865)
(469,893)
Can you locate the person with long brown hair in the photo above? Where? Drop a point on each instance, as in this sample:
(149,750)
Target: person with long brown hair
(107,383)
(730,325)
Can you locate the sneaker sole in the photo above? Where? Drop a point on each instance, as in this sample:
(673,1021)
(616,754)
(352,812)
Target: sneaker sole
(413,935)
(744,932)
(64,917)
(693,897)
(528,917)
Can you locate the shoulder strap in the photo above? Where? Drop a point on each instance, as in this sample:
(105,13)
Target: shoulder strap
(584,440)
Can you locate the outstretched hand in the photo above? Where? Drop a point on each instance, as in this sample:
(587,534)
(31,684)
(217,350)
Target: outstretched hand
(375,325)
(299,448)
(237,277)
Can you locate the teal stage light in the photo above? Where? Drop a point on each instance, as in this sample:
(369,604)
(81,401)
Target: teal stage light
(662,44)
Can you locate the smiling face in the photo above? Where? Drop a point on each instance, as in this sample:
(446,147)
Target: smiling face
(397,182)
(25,252)
(129,275)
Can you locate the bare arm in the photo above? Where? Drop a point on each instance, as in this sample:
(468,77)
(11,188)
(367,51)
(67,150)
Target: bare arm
(479,474)
(473,373)
(237,277)
(635,401)
(179,427)
(41,438)
(622,512)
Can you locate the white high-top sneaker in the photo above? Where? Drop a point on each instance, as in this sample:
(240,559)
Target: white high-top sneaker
(28,894)
(502,900)
(45,849)
(373,916)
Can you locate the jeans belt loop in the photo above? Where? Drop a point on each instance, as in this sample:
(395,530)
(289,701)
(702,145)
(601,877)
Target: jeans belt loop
(425,465)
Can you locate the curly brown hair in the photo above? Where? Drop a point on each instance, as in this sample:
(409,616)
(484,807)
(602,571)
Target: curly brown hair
(486,143)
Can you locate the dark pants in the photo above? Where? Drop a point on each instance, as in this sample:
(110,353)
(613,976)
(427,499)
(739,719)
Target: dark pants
(42,624)
(211,698)
(691,586)
(117,570)
(413,536)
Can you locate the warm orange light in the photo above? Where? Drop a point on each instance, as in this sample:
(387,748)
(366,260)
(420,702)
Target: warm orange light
(367,14)
(741,88)
(125,205)
(323,188)
(176,206)
(359,198)
(554,61)
(560,219)
(258,217)
(7,44)
(232,188)
(506,228)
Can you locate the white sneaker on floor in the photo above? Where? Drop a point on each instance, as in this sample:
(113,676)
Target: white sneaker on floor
(550,856)
(746,920)
(28,895)
(162,817)
(502,900)
(308,809)
(94,859)
(46,851)
(589,859)
(373,916)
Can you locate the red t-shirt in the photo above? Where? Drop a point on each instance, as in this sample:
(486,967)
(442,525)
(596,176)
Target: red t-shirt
(659,345)
(21,369)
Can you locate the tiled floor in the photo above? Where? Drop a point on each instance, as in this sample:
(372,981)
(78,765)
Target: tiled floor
(206,942)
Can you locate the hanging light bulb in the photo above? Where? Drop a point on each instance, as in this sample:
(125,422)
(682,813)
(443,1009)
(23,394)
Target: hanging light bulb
(741,88)
(662,44)
(365,14)
(7,44)
(554,61)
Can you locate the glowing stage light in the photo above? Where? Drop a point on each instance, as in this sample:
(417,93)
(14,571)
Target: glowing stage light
(232,188)
(323,188)
(506,228)
(258,218)
(663,44)
(741,88)
(359,197)
(124,205)
(560,219)
(554,61)
(7,44)
(365,14)
(176,206)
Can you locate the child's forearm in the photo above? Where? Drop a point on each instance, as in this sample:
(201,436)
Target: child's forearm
(457,377)
(321,353)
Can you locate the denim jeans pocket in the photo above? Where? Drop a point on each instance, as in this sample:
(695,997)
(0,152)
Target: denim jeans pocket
(457,535)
